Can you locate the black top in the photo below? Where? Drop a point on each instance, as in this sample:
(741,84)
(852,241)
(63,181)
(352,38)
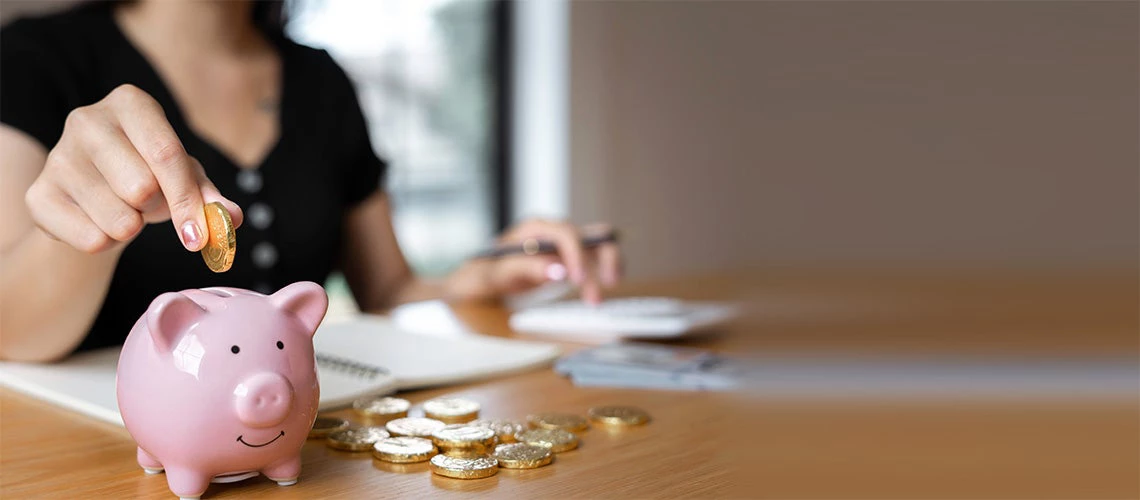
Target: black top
(294,202)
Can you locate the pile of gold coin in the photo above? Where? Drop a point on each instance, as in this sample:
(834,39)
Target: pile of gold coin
(323,426)
(564,421)
(359,439)
(381,410)
(464,439)
(451,410)
(456,444)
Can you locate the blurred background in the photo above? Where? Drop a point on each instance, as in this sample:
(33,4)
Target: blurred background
(721,135)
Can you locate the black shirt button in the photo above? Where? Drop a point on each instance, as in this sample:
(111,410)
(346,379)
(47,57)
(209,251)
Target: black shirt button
(249,181)
(259,215)
(264,255)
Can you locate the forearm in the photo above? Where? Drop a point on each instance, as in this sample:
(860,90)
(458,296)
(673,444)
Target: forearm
(50,294)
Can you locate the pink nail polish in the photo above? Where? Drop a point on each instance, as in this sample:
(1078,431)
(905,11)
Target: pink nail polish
(191,235)
(556,272)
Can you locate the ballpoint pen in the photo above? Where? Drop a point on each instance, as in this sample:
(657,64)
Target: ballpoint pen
(534,246)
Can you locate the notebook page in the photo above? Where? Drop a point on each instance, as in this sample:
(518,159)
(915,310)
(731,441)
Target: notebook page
(417,360)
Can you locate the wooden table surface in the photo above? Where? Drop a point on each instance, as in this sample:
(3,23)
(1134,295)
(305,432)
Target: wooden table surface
(745,445)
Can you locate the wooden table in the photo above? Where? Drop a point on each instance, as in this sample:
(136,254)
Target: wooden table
(745,445)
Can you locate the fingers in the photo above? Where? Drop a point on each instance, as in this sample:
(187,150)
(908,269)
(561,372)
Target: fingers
(609,263)
(114,217)
(568,242)
(608,255)
(145,125)
(59,217)
(120,165)
(117,166)
(517,274)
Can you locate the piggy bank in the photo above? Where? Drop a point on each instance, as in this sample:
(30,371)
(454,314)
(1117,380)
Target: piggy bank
(220,384)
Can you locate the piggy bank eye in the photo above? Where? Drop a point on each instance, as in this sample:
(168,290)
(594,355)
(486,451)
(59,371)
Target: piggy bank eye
(235,349)
(280,345)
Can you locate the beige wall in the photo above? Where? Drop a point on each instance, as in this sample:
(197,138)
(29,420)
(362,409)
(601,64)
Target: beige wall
(722,134)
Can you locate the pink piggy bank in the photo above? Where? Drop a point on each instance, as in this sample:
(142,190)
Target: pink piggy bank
(220,384)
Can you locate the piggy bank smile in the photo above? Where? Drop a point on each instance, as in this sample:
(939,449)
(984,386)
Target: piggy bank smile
(267,443)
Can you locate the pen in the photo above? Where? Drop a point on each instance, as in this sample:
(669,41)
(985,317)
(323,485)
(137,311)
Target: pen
(533,246)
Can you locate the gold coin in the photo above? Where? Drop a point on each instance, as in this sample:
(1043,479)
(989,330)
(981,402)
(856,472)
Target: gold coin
(414,426)
(463,438)
(403,450)
(361,439)
(383,409)
(221,243)
(522,456)
(618,416)
(324,426)
(556,440)
(451,410)
(464,468)
(505,430)
(564,421)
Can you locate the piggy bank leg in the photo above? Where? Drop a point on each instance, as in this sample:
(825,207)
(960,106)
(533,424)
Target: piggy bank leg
(285,472)
(148,463)
(186,483)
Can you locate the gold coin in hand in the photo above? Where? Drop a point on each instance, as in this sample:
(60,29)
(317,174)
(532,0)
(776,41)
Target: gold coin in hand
(221,243)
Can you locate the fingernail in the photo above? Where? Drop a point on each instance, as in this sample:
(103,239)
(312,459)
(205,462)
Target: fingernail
(191,236)
(556,272)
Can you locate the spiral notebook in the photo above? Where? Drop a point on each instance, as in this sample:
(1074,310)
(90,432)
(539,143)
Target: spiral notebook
(368,355)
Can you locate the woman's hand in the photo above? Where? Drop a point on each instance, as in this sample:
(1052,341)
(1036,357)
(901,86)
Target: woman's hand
(590,268)
(119,165)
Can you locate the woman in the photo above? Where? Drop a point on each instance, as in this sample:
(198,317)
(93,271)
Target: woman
(119,118)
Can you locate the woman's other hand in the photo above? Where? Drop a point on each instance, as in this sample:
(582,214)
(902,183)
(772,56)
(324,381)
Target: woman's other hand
(119,165)
(591,269)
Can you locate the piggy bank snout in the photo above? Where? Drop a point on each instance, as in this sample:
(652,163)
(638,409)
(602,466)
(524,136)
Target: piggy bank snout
(263,399)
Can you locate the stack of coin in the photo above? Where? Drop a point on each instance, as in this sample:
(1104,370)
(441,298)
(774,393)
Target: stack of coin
(564,421)
(414,426)
(505,430)
(464,468)
(323,426)
(618,416)
(463,439)
(403,450)
(381,410)
(451,410)
(361,439)
(556,440)
(522,456)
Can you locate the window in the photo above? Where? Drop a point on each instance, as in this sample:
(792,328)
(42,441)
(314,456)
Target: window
(429,74)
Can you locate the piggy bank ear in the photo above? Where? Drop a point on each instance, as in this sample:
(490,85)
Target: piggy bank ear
(169,316)
(305,300)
